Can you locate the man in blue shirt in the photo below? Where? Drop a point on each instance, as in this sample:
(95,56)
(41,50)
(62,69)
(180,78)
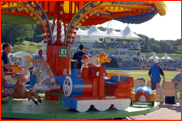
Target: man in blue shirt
(78,56)
(154,74)
(4,57)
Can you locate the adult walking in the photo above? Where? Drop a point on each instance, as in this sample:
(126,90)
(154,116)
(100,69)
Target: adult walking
(78,56)
(154,74)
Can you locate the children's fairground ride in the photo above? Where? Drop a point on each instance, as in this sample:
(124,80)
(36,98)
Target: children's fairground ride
(72,14)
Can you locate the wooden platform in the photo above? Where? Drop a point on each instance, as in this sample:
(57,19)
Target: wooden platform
(23,109)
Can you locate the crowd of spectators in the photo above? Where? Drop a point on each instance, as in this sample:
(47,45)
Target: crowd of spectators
(168,65)
(117,45)
(128,63)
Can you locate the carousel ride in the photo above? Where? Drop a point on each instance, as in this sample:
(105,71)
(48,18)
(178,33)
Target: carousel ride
(78,91)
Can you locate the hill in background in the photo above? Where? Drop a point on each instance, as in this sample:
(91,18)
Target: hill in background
(26,46)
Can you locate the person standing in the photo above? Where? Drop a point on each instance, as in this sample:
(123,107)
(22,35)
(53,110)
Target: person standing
(78,56)
(4,57)
(154,74)
(177,79)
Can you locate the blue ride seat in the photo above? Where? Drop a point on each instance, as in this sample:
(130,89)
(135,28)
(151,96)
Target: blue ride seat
(11,85)
(17,73)
(8,84)
(114,80)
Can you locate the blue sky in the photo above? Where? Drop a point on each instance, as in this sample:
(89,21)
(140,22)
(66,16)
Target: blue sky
(166,27)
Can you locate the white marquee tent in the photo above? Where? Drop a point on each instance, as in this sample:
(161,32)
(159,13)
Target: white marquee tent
(128,34)
(166,57)
(81,33)
(112,34)
(36,53)
(153,57)
(94,32)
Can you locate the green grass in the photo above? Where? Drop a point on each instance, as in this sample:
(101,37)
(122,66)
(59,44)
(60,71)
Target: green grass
(147,55)
(144,74)
(26,48)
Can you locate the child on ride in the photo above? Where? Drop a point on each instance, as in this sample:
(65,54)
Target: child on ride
(85,61)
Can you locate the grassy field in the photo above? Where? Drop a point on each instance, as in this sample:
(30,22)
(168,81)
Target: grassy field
(144,74)
(25,46)
(147,55)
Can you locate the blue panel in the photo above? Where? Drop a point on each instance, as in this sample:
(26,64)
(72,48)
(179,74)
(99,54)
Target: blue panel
(143,88)
(8,85)
(17,73)
(137,19)
(69,102)
(33,79)
(42,16)
(74,73)
(60,79)
(37,8)
(114,80)
(77,91)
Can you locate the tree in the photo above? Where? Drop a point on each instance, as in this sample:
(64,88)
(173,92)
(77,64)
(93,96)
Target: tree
(15,33)
(174,50)
(165,47)
(37,31)
(101,28)
(155,47)
(146,45)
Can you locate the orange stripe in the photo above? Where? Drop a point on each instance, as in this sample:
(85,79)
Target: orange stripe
(144,94)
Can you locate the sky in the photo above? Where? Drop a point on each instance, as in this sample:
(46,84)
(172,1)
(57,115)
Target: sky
(166,27)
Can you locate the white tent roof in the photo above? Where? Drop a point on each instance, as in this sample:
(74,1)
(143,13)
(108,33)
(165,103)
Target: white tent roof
(113,34)
(166,57)
(41,43)
(153,57)
(36,53)
(55,31)
(21,53)
(128,34)
(81,33)
(94,32)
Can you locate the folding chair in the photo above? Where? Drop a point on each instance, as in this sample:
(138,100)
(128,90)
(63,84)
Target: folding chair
(138,83)
(179,90)
(168,89)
